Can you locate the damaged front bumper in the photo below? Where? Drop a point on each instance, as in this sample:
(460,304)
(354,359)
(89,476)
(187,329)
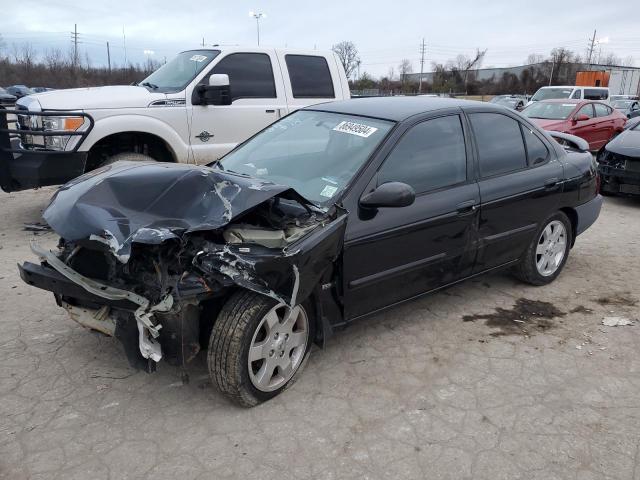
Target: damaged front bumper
(148,330)
(617,180)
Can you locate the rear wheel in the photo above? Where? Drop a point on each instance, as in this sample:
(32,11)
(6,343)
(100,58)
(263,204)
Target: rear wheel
(257,347)
(547,253)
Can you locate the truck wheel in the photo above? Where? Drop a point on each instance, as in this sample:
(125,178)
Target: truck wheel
(547,253)
(128,157)
(258,347)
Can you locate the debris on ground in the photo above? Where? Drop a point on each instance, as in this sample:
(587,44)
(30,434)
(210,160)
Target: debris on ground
(525,316)
(616,321)
(37,227)
(618,299)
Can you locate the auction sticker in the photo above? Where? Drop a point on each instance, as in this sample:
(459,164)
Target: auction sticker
(198,58)
(354,128)
(328,191)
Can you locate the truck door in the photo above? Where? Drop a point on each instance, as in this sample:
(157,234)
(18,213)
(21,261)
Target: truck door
(257,100)
(310,78)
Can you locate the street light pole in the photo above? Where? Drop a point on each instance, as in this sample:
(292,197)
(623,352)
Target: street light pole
(258,16)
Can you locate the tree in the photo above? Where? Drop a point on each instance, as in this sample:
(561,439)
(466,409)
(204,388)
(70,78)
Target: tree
(348,55)
(534,58)
(405,68)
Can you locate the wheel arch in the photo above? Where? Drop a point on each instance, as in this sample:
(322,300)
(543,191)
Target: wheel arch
(573,218)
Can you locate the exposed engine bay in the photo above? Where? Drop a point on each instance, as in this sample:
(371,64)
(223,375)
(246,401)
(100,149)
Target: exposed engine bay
(158,261)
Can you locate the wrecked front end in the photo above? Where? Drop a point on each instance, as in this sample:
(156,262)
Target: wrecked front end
(150,252)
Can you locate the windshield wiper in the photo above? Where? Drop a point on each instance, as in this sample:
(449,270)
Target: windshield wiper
(149,84)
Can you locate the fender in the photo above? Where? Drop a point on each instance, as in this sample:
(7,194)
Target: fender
(137,123)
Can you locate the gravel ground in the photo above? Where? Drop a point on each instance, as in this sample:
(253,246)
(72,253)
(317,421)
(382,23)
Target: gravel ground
(490,379)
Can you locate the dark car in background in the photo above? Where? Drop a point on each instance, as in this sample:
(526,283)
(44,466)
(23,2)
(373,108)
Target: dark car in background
(41,89)
(595,122)
(619,163)
(630,108)
(515,102)
(19,90)
(6,99)
(329,215)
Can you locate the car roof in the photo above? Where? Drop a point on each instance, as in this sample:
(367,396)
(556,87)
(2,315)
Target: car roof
(395,108)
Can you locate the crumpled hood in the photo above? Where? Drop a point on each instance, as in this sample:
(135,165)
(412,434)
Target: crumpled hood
(119,96)
(627,143)
(129,202)
(559,125)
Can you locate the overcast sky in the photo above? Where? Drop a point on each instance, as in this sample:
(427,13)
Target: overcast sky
(384,32)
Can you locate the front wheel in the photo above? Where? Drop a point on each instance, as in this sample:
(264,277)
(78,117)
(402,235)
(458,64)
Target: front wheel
(547,253)
(128,157)
(257,347)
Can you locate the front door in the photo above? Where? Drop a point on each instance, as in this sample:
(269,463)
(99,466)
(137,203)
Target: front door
(586,129)
(519,183)
(257,101)
(393,254)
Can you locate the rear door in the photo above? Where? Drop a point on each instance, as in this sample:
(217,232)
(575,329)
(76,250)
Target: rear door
(258,99)
(520,181)
(605,125)
(393,254)
(308,79)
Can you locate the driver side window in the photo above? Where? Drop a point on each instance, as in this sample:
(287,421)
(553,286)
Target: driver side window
(429,156)
(586,110)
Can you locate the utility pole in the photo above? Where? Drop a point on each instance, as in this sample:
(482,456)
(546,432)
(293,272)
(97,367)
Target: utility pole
(203,41)
(74,39)
(593,42)
(108,57)
(258,16)
(423,50)
(124,44)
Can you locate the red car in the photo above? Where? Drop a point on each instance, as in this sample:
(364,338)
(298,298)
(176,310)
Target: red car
(596,122)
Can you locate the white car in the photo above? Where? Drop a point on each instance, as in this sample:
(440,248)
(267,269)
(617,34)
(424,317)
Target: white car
(570,91)
(193,109)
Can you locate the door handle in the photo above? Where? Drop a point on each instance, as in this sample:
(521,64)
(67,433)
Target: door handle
(269,110)
(551,182)
(467,207)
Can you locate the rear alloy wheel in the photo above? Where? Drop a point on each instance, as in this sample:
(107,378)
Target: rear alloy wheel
(257,347)
(547,253)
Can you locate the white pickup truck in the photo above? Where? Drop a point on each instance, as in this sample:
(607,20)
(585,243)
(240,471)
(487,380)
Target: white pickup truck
(193,109)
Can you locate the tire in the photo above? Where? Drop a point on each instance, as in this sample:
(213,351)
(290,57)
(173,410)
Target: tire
(243,325)
(531,268)
(128,157)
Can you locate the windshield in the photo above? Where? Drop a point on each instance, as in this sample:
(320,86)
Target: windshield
(315,153)
(177,73)
(550,93)
(549,111)
(622,104)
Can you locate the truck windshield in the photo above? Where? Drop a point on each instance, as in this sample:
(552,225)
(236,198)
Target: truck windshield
(177,73)
(550,93)
(315,153)
(549,111)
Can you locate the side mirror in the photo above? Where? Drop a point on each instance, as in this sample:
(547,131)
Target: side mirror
(581,118)
(218,92)
(390,195)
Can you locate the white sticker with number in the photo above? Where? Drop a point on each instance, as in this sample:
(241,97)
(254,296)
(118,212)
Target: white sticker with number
(328,191)
(198,58)
(354,128)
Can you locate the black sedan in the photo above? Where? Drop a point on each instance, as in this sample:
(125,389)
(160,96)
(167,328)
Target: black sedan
(619,162)
(331,214)
(6,99)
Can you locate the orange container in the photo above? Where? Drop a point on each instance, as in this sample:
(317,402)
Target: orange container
(597,78)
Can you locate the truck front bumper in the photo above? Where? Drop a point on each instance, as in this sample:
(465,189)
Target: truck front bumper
(24,168)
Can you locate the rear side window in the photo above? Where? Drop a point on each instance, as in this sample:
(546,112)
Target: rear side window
(586,110)
(595,94)
(601,110)
(250,75)
(430,155)
(500,146)
(310,76)
(537,151)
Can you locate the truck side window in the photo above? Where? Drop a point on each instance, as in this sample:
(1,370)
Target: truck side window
(576,94)
(310,76)
(250,75)
(431,155)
